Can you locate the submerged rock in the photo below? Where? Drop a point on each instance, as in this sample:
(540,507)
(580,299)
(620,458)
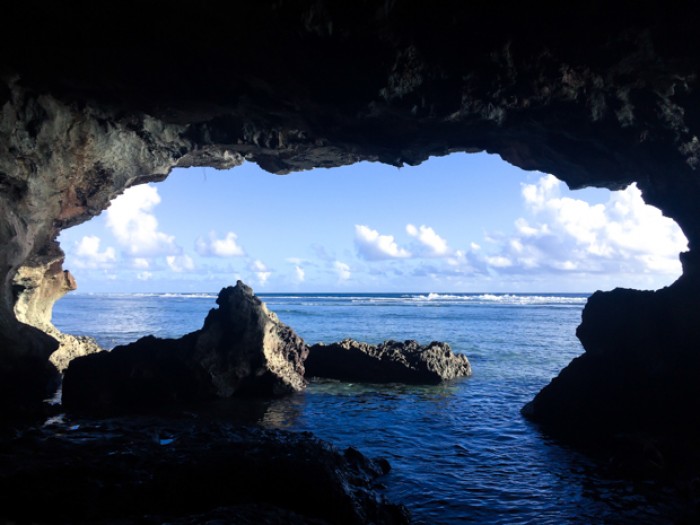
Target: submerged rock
(389,362)
(241,349)
(186,470)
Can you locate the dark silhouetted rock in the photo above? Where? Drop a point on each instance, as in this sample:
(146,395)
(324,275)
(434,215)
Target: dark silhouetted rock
(639,374)
(389,362)
(241,349)
(186,470)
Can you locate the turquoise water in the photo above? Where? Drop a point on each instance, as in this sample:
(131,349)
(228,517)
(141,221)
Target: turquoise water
(461,452)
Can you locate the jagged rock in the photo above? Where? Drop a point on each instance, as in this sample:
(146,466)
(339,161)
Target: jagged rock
(37,289)
(639,372)
(242,349)
(389,362)
(185,470)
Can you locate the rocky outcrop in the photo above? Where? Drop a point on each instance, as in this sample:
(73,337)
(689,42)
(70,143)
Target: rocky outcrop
(389,362)
(185,470)
(639,373)
(242,349)
(37,290)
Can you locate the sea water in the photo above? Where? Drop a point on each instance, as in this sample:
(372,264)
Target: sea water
(461,452)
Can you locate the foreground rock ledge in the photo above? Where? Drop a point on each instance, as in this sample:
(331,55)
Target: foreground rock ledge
(185,470)
(242,349)
(389,362)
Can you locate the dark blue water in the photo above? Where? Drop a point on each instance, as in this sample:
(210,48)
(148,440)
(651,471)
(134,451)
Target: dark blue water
(461,452)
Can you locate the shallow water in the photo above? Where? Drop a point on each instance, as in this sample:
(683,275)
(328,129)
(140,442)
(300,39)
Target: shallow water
(461,452)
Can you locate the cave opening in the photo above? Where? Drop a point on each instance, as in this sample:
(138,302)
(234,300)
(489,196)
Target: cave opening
(517,337)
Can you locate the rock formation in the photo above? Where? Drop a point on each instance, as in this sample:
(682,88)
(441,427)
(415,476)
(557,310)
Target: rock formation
(37,289)
(638,374)
(242,349)
(187,471)
(389,362)
(598,93)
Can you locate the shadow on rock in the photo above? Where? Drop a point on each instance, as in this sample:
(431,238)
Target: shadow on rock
(242,349)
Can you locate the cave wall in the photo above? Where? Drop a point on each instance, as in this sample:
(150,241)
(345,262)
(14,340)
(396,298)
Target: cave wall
(98,98)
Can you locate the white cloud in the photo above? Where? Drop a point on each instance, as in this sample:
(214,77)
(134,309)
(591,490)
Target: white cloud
(301,275)
(215,247)
(180,263)
(144,276)
(135,227)
(343,270)
(140,263)
(623,235)
(373,246)
(261,271)
(426,236)
(88,254)
(498,261)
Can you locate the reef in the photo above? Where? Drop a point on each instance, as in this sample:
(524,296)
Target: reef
(389,362)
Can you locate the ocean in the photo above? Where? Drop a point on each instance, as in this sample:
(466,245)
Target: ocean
(461,452)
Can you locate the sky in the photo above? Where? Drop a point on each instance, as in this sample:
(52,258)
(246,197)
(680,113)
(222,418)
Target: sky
(460,223)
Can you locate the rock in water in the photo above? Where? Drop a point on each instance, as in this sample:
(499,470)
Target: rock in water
(245,348)
(241,349)
(389,362)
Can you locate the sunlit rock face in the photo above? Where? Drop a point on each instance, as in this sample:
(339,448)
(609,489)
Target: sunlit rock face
(242,349)
(37,288)
(598,94)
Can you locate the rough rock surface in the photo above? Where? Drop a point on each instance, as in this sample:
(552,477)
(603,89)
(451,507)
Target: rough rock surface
(186,470)
(37,289)
(638,374)
(597,93)
(242,349)
(389,362)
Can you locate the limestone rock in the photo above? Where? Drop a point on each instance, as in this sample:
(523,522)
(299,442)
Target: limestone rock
(37,289)
(389,362)
(245,348)
(242,349)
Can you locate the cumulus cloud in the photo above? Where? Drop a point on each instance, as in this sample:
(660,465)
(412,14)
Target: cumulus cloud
(623,235)
(431,243)
(261,271)
(343,270)
(88,254)
(300,274)
(131,220)
(144,276)
(215,247)
(373,246)
(180,263)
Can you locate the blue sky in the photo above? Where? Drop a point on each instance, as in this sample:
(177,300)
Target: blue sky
(461,223)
